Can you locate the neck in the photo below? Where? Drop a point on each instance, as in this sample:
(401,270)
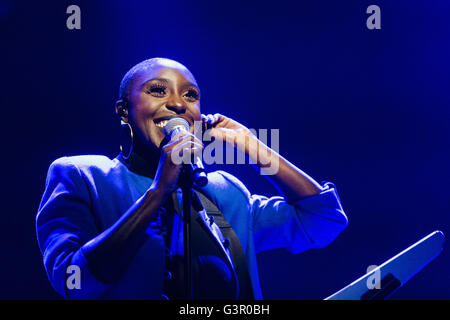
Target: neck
(142,162)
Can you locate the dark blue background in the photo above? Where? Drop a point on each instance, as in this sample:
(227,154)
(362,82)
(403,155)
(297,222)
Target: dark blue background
(366,109)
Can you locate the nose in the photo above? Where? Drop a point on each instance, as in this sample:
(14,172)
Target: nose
(176,104)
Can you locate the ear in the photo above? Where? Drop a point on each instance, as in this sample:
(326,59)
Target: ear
(122,110)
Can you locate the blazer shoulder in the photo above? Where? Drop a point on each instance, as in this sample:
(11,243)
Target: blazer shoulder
(85,163)
(224,183)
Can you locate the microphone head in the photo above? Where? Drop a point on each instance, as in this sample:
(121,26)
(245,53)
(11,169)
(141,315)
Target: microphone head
(175,123)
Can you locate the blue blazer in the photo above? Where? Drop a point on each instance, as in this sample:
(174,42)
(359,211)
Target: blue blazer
(84,195)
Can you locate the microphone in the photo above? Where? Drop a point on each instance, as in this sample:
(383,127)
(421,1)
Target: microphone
(195,170)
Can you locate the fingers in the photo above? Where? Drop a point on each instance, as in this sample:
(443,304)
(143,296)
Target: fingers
(212,119)
(187,145)
(181,138)
(185,152)
(182,148)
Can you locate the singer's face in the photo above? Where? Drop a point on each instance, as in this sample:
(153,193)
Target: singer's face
(166,90)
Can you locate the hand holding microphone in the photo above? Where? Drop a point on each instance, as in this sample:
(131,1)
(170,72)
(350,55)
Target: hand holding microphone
(194,168)
(182,145)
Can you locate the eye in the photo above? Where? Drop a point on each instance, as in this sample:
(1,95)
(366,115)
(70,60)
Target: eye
(192,95)
(157,90)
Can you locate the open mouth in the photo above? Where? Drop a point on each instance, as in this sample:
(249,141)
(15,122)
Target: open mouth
(162,122)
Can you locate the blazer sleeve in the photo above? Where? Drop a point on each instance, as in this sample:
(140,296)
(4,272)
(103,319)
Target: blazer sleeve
(312,222)
(63,224)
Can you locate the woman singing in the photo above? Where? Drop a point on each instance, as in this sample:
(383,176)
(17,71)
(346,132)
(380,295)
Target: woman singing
(113,229)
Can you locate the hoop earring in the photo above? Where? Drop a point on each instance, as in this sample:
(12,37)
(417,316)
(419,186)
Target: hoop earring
(126,137)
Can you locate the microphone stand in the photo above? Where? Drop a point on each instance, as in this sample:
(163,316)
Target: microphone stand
(186,184)
(191,173)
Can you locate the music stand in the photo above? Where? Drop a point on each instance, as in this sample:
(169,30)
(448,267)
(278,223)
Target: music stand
(395,272)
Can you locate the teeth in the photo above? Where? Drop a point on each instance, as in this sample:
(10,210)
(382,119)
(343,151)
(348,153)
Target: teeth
(162,124)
